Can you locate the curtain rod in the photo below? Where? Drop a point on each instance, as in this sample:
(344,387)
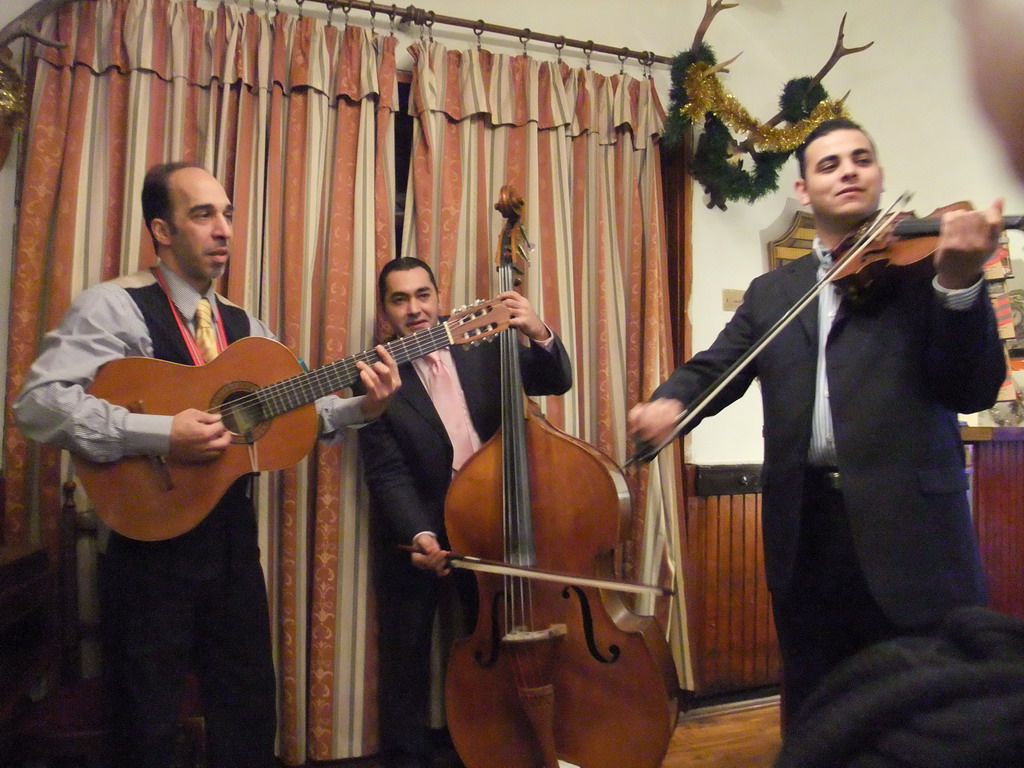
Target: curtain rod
(421,17)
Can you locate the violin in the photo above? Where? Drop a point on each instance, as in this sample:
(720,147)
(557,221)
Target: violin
(899,251)
(893,246)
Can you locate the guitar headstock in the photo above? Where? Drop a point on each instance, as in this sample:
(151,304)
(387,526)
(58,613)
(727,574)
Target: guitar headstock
(479,321)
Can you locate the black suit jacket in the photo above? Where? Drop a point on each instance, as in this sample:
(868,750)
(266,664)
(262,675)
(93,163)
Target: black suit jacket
(407,455)
(899,370)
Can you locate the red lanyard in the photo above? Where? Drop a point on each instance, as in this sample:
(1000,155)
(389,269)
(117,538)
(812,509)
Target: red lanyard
(186,334)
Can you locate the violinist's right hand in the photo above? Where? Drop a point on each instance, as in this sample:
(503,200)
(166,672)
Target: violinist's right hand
(428,555)
(654,420)
(197,436)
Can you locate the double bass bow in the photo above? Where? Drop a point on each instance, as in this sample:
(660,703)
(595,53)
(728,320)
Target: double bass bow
(552,673)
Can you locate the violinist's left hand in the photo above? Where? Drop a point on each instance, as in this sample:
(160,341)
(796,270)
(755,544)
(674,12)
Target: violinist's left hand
(966,241)
(523,316)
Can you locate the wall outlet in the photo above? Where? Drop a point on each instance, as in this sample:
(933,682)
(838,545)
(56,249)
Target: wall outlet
(731,299)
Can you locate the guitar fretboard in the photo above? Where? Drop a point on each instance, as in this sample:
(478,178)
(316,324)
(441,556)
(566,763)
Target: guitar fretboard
(304,388)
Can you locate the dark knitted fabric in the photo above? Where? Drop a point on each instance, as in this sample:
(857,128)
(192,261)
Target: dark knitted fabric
(955,700)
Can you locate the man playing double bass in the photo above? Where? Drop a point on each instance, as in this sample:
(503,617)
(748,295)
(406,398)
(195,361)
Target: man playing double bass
(448,405)
(867,530)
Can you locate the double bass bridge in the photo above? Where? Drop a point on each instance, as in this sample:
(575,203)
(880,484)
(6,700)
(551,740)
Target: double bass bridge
(522,635)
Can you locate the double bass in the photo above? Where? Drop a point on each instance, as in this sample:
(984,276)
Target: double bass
(552,672)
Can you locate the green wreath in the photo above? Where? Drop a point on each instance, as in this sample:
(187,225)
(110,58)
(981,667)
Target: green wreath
(717,160)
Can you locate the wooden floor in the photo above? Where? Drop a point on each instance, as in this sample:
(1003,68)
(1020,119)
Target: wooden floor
(736,736)
(744,735)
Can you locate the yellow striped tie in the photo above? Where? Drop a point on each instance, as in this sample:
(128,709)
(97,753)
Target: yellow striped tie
(206,339)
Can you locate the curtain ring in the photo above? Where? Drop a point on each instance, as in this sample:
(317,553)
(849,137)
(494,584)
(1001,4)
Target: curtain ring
(559,45)
(391,19)
(588,48)
(373,18)
(428,23)
(525,38)
(623,55)
(330,12)
(478,30)
(346,7)
(299,3)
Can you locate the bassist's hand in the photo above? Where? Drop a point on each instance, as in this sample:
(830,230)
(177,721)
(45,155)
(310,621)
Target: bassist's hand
(428,555)
(523,317)
(381,380)
(197,436)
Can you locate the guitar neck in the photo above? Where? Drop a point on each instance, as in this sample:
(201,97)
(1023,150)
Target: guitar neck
(305,388)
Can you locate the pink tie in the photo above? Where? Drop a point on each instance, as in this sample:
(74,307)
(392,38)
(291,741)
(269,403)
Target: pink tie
(445,394)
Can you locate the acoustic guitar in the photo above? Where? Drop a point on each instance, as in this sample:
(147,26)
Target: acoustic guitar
(265,399)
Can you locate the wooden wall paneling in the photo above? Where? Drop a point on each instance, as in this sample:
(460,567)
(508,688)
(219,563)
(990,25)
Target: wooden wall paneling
(999,517)
(731,631)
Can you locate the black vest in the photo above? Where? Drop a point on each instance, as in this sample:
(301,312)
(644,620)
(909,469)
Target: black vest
(163,326)
(229,532)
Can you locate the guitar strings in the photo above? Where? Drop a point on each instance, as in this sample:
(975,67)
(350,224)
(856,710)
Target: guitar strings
(282,395)
(342,372)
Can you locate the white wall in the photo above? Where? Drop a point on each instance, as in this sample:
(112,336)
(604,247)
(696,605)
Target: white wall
(909,90)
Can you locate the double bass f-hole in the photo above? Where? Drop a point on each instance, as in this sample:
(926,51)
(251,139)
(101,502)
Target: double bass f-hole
(588,627)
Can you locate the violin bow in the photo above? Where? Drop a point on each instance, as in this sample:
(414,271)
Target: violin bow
(646,451)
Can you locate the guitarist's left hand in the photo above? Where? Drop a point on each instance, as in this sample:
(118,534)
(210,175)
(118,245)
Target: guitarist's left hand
(381,380)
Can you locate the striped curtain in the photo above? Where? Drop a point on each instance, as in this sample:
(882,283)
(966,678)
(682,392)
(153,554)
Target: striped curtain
(581,148)
(295,118)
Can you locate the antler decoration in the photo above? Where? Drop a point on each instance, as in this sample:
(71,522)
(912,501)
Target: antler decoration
(25,25)
(697,94)
(12,90)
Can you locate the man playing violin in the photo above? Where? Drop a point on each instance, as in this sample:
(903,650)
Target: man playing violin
(409,455)
(867,529)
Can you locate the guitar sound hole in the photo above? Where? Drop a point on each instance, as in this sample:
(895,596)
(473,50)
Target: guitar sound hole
(241,411)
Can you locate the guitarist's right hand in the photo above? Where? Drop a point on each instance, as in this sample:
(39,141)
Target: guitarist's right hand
(198,436)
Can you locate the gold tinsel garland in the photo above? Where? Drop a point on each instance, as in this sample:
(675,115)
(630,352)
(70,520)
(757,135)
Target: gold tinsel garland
(12,93)
(706,94)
